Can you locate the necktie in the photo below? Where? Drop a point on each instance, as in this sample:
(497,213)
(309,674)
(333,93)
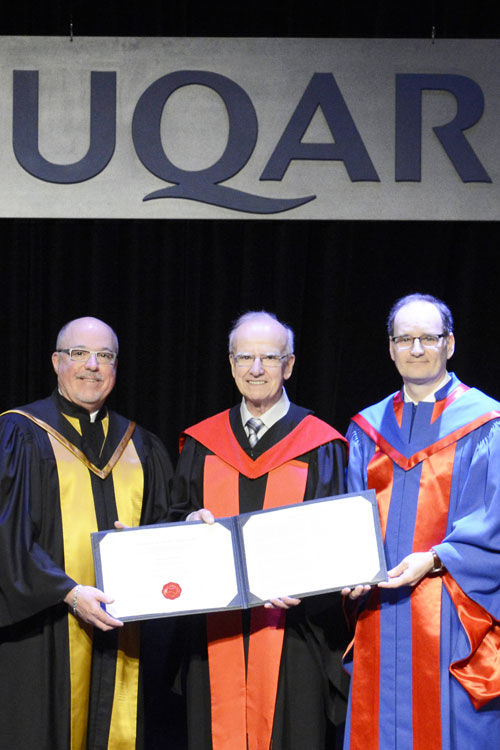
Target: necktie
(254,426)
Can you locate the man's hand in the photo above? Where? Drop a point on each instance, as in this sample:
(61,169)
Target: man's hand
(410,570)
(120,526)
(356,592)
(88,607)
(283,602)
(203,514)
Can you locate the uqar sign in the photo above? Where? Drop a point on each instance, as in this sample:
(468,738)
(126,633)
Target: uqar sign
(233,128)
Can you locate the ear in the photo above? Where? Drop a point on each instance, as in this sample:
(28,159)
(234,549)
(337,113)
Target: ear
(55,362)
(450,346)
(232,365)
(391,350)
(289,367)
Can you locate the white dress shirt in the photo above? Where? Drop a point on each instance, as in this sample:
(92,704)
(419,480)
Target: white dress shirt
(430,396)
(270,417)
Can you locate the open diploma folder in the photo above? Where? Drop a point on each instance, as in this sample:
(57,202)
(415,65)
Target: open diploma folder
(243,561)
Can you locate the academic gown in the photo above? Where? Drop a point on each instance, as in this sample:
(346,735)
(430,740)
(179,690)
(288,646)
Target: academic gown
(311,686)
(427,659)
(40,704)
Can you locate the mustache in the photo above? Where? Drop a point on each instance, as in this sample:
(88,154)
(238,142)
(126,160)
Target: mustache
(89,376)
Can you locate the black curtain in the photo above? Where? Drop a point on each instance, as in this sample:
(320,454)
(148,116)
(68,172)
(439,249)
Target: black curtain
(171,288)
(294,18)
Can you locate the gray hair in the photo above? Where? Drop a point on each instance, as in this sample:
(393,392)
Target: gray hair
(246,317)
(444,310)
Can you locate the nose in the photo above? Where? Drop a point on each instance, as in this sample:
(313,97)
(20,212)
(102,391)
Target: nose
(91,363)
(256,366)
(417,349)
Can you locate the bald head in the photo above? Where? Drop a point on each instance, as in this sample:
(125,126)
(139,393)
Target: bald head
(87,323)
(262,318)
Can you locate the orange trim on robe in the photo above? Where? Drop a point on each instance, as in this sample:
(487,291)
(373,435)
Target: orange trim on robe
(439,406)
(426,611)
(215,433)
(479,672)
(364,698)
(443,404)
(430,528)
(398,405)
(408,463)
(243,698)
(243,704)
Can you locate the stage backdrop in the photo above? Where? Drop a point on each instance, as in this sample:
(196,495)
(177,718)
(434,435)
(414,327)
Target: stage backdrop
(171,290)
(225,128)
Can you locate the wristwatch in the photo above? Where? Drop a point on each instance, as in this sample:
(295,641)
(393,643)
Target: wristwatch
(437,566)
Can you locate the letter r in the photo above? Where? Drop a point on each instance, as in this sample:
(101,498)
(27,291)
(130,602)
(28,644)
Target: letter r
(470,106)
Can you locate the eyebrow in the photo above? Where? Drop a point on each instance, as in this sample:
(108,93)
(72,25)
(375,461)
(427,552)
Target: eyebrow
(84,346)
(262,354)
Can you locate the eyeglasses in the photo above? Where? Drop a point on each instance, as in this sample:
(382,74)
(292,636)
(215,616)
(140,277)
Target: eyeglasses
(83,355)
(266,360)
(427,340)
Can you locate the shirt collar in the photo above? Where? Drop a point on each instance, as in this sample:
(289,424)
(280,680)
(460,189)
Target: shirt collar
(78,411)
(272,415)
(430,396)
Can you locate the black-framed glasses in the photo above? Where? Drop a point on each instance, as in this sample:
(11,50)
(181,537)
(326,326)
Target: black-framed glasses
(83,355)
(427,340)
(266,360)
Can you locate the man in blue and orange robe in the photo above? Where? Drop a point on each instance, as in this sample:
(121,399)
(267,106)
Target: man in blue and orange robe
(425,660)
(268,675)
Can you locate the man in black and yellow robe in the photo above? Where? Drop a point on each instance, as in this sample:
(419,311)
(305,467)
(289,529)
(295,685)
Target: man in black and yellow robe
(264,677)
(68,466)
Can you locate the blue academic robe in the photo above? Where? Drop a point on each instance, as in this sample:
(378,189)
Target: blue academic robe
(426,659)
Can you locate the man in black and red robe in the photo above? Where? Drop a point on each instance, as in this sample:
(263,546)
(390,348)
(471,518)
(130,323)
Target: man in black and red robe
(269,675)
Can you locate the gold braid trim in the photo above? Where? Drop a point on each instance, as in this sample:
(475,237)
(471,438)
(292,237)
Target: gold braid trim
(101,473)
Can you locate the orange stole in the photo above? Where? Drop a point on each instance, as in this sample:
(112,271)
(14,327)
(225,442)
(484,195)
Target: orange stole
(479,672)
(215,433)
(439,445)
(366,642)
(430,528)
(439,406)
(243,704)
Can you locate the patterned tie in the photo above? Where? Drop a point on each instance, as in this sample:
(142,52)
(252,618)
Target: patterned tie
(254,426)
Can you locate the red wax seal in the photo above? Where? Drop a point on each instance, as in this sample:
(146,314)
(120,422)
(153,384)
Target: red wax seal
(171,590)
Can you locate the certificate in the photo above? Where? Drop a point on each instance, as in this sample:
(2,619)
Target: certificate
(242,561)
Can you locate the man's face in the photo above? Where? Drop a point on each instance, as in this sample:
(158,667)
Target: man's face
(86,384)
(261,386)
(418,365)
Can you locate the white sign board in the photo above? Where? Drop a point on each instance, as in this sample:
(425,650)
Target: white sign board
(249,128)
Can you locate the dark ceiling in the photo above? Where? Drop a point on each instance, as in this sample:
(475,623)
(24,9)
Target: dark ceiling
(355,18)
